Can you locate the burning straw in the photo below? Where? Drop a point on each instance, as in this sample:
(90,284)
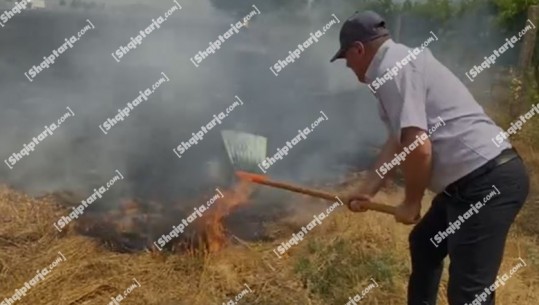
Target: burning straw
(135,226)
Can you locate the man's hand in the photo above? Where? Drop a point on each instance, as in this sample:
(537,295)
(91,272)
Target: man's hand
(408,213)
(355,202)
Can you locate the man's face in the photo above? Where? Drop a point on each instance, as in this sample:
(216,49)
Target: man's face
(356,60)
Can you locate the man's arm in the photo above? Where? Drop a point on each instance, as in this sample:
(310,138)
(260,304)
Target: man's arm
(417,165)
(373,182)
(407,96)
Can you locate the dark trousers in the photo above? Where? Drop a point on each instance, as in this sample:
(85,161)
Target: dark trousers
(476,249)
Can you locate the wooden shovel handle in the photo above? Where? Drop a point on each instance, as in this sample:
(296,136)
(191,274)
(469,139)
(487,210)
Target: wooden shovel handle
(261,179)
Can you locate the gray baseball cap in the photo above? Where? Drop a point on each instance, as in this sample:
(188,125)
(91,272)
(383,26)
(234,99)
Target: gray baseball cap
(363,27)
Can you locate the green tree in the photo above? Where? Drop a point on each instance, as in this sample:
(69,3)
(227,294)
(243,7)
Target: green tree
(510,11)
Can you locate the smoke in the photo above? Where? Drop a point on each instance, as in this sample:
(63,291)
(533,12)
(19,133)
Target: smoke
(86,78)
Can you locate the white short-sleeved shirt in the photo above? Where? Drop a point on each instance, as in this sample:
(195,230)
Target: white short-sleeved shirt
(423,93)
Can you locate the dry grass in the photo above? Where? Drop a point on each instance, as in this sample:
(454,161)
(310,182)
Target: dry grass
(335,261)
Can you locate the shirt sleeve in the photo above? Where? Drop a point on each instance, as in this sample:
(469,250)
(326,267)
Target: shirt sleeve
(382,113)
(406,97)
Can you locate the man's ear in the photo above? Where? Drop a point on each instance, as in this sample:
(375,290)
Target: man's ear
(360,47)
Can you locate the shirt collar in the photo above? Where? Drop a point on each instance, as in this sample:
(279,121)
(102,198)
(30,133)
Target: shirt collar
(370,74)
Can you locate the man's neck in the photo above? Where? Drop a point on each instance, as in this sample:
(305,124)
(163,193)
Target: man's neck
(372,51)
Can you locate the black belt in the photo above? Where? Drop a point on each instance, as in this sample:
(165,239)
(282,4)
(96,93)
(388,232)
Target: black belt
(505,156)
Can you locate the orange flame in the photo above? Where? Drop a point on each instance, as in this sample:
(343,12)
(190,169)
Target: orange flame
(213,230)
(132,219)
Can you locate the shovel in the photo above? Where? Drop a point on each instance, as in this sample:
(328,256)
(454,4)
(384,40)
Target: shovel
(246,151)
